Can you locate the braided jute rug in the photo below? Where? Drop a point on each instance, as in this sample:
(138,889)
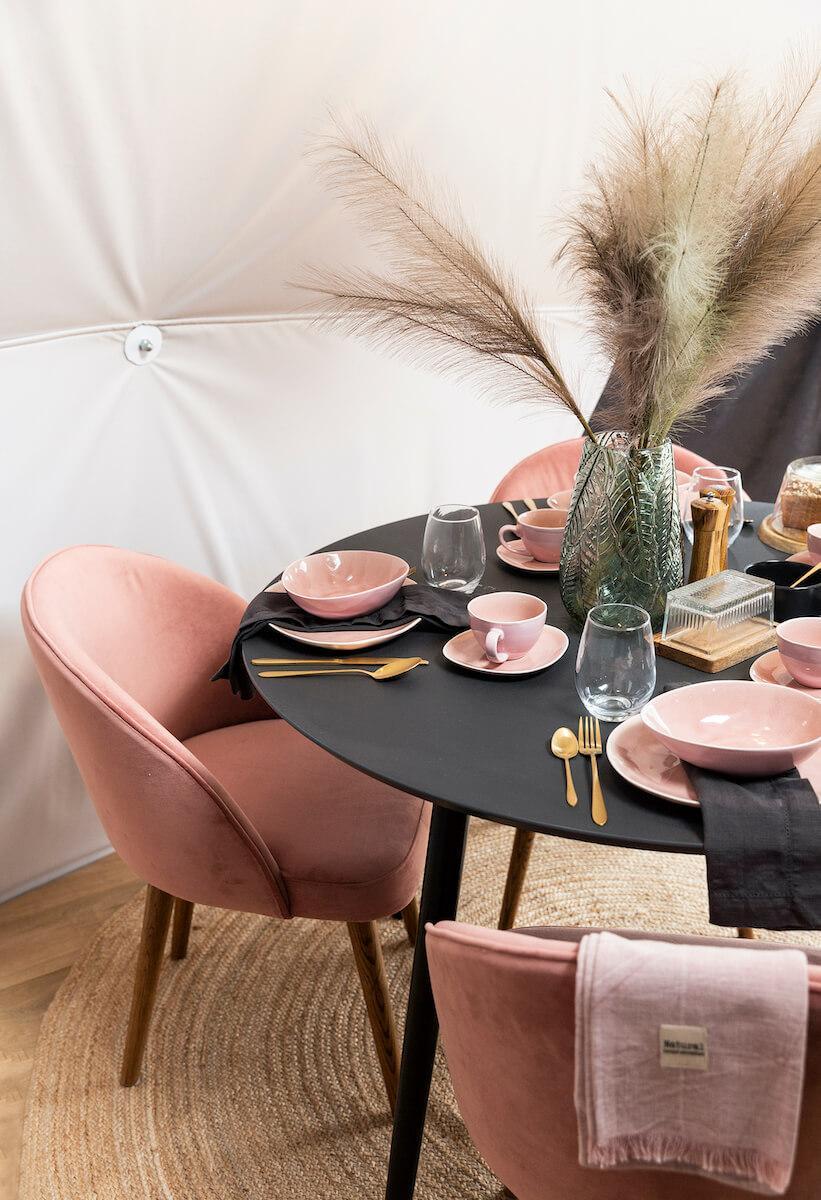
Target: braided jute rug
(260,1080)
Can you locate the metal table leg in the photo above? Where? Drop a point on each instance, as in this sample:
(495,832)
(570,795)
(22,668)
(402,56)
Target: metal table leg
(440,897)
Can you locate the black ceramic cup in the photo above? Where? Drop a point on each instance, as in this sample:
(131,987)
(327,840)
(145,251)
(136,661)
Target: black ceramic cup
(804,601)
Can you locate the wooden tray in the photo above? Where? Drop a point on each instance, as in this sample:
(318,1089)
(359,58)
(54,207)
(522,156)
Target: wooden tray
(771,536)
(721,661)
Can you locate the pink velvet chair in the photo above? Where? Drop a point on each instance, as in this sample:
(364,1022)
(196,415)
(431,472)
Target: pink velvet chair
(506,1006)
(207,798)
(552,468)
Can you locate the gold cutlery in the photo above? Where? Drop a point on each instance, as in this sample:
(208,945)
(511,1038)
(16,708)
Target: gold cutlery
(507,505)
(388,671)
(373,662)
(590,745)
(565,745)
(806,575)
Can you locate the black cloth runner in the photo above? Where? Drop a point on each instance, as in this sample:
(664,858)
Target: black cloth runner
(762,843)
(438,608)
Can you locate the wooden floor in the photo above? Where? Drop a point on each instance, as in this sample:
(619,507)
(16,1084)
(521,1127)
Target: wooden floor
(41,934)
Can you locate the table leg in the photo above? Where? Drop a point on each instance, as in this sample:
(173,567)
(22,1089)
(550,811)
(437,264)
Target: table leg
(440,897)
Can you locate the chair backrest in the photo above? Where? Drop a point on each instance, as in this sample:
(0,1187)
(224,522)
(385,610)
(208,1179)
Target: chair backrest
(125,645)
(552,468)
(506,1005)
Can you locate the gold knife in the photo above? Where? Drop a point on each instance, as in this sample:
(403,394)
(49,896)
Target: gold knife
(276,662)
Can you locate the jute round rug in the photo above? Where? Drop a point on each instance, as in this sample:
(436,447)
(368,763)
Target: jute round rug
(260,1078)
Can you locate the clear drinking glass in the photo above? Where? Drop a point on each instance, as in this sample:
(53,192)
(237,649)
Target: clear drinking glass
(720,477)
(616,663)
(453,549)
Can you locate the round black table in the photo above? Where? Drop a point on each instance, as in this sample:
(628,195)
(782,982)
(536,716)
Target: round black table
(474,746)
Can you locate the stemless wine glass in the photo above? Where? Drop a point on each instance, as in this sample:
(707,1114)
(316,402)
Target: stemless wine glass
(453,549)
(718,477)
(616,663)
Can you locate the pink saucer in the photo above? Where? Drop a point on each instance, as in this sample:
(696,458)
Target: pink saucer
(770,669)
(804,557)
(466,652)
(639,757)
(344,639)
(523,562)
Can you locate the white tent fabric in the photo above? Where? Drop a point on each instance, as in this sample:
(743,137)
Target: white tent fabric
(154,170)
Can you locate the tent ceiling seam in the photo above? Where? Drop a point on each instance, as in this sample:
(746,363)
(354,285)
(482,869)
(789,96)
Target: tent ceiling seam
(556,312)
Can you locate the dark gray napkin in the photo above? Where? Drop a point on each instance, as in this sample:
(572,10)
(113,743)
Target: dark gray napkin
(438,608)
(762,843)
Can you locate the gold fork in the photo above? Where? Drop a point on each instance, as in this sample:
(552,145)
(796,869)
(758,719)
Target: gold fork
(590,744)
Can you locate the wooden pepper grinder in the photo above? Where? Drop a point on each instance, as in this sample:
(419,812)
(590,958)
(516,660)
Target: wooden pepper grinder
(711,518)
(727,496)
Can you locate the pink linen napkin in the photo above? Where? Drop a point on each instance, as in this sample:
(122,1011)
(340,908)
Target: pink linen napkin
(690,1058)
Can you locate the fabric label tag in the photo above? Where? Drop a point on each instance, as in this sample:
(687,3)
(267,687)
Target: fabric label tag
(683,1046)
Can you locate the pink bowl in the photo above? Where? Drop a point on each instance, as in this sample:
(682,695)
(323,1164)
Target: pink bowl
(814,542)
(561,500)
(799,646)
(737,726)
(344,583)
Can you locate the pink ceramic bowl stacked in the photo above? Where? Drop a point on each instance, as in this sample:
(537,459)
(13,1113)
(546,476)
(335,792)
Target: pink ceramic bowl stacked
(814,543)
(737,726)
(799,647)
(344,583)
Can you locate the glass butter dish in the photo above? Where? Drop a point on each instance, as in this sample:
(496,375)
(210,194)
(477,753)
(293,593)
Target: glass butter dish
(718,615)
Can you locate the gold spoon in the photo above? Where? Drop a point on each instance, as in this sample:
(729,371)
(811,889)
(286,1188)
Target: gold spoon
(389,671)
(806,575)
(564,744)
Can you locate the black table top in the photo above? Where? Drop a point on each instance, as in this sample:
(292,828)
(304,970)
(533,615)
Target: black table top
(480,744)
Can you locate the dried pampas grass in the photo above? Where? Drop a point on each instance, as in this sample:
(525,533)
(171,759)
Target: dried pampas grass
(446,299)
(698,244)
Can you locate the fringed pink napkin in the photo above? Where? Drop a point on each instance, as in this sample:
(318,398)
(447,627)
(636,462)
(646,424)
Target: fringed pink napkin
(690,1058)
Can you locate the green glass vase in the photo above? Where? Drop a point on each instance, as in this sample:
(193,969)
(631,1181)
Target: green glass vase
(622,543)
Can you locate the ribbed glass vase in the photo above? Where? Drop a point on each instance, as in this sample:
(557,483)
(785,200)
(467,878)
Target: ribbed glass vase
(622,543)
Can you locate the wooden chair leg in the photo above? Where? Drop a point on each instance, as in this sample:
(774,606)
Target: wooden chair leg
(156,918)
(367,953)
(181,927)
(744,932)
(516,872)
(410,915)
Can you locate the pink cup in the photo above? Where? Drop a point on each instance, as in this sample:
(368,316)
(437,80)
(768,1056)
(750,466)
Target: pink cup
(814,543)
(506,624)
(799,647)
(541,532)
(561,500)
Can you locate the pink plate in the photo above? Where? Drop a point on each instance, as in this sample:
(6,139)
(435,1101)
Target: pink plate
(639,757)
(344,639)
(737,726)
(344,583)
(770,669)
(465,651)
(523,562)
(804,557)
